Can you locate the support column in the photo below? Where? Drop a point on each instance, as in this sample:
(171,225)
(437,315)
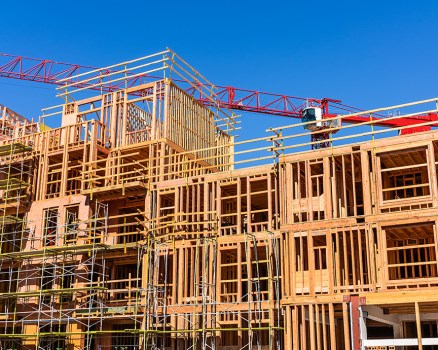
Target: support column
(418,322)
(356,318)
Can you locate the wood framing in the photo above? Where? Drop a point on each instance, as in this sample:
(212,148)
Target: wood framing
(140,223)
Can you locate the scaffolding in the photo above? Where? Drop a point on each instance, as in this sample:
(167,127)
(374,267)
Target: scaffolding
(56,286)
(193,312)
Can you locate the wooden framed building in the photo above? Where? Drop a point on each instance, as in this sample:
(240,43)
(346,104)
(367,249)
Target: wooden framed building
(140,223)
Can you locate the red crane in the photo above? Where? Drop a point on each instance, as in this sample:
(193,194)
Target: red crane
(50,72)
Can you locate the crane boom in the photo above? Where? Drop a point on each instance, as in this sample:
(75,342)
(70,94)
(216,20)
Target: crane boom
(50,72)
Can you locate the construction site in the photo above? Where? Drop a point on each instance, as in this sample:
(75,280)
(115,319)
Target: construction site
(142,221)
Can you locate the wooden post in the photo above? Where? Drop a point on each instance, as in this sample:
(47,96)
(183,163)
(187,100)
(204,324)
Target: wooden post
(418,324)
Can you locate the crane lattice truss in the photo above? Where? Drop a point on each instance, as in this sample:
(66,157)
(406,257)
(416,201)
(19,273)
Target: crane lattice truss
(60,73)
(142,223)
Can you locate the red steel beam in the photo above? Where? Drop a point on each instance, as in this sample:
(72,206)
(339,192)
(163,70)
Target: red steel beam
(50,72)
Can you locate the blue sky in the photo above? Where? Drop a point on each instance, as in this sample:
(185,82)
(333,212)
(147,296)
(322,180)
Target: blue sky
(366,53)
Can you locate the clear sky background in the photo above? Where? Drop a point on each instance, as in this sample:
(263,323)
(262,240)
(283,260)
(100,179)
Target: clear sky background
(366,53)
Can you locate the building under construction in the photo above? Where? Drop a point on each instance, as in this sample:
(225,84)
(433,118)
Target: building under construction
(141,222)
